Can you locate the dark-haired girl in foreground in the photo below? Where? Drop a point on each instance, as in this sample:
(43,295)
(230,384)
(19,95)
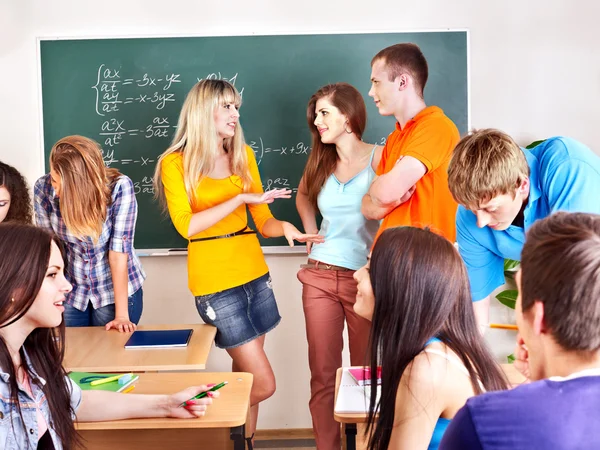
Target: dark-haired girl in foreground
(38,402)
(424,336)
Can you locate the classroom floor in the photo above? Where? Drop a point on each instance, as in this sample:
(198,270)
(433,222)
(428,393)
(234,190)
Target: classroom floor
(284,444)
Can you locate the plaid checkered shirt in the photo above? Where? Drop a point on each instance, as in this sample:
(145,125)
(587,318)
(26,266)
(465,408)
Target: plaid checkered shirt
(87,267)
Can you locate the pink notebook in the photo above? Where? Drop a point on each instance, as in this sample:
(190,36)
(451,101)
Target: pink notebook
(362,375)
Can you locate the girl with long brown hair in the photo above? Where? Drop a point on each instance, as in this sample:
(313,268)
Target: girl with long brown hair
(338,174)
(38,401)
(424,337)
(93,210)
(208,180)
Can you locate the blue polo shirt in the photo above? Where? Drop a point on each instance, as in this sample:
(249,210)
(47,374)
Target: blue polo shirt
(564,176)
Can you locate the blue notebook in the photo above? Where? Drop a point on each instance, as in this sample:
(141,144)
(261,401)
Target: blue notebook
(159,338)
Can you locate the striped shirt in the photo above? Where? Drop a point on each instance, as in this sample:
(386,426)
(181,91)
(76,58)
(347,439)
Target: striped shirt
(87,266)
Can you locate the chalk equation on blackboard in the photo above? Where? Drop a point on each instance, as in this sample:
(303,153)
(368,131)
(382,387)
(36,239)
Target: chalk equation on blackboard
(109,97)
(218,76)
(146,186)
(150,81)
(269,184)
(113,130)
(260,150)
(109,159)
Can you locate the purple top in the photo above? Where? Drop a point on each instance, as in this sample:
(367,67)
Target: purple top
(552,414)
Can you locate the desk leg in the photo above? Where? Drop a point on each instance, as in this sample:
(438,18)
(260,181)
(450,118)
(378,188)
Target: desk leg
(238,436)
(350,436)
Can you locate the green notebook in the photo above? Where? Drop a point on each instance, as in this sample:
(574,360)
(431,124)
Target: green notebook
(83,381)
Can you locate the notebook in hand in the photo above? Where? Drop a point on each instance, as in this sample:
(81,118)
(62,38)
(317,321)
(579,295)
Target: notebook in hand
(112,386)
(362,375)
(353,398)
(159,338)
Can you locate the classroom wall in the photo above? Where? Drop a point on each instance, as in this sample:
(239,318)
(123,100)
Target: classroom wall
(533,73)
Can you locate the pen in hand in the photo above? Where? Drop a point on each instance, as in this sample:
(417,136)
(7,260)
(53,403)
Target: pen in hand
(204,393)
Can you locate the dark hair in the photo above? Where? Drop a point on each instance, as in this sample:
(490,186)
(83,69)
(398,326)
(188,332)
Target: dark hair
(560,267)
(20,202)
(421,291)
(25,251)
(401,58)
(323,157)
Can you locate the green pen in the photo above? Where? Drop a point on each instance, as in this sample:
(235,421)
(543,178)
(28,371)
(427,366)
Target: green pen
(203,393)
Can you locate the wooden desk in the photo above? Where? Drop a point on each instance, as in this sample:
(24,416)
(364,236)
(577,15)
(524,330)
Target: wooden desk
(223,426)
(350,420)
(93,349)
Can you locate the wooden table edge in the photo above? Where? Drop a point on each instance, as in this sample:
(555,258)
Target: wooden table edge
(155,424)
(137,368)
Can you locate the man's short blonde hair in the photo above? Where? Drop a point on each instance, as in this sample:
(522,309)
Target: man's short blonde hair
(484,164)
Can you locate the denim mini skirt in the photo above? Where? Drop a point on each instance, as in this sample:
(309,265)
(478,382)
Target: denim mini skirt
(241,313)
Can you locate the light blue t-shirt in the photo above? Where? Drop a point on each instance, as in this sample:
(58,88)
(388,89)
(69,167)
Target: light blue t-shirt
(564,176)
(348,235)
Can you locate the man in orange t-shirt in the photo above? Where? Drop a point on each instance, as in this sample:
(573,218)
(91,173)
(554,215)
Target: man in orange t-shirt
(412,183)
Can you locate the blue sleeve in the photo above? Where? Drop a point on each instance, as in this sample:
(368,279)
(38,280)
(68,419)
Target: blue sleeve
(484,267)
(461,433)
(573,186)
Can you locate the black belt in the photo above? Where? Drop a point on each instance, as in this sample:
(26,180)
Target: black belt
(244,230)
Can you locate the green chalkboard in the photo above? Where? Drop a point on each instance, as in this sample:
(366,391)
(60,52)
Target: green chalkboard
(127,94)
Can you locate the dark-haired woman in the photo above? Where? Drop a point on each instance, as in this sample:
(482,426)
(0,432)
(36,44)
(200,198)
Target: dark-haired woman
(416,292)
(338,174)
(15,202)
(38,402)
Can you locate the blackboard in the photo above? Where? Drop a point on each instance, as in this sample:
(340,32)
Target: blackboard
(127,93)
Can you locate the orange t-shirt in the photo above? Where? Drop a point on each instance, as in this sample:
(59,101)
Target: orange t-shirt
(430,137)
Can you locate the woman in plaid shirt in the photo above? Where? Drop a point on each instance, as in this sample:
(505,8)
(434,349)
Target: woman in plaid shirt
(93,210)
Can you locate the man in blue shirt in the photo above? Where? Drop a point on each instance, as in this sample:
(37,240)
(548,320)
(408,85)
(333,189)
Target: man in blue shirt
(558,316)
(503,189)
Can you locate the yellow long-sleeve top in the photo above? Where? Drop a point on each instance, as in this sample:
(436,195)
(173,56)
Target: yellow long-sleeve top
(217,264)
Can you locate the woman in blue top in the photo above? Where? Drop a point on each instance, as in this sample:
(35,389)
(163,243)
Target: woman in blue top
(432,356)
(338,174)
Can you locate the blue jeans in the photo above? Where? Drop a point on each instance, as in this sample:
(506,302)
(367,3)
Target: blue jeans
(101,316)
(242,313)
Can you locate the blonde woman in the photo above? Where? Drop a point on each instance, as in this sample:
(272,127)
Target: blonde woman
(93,210)
(206,179)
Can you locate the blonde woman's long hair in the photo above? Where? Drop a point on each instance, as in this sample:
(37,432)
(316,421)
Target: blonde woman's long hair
(197,140)
(85,185)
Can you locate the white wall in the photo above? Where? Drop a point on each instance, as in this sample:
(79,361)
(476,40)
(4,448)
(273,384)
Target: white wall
(534,72)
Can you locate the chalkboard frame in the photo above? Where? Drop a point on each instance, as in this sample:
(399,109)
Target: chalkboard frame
(298,248)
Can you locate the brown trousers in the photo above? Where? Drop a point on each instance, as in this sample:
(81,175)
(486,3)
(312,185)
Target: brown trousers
(328,297)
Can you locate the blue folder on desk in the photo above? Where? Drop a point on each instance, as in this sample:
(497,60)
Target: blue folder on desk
(159,338)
